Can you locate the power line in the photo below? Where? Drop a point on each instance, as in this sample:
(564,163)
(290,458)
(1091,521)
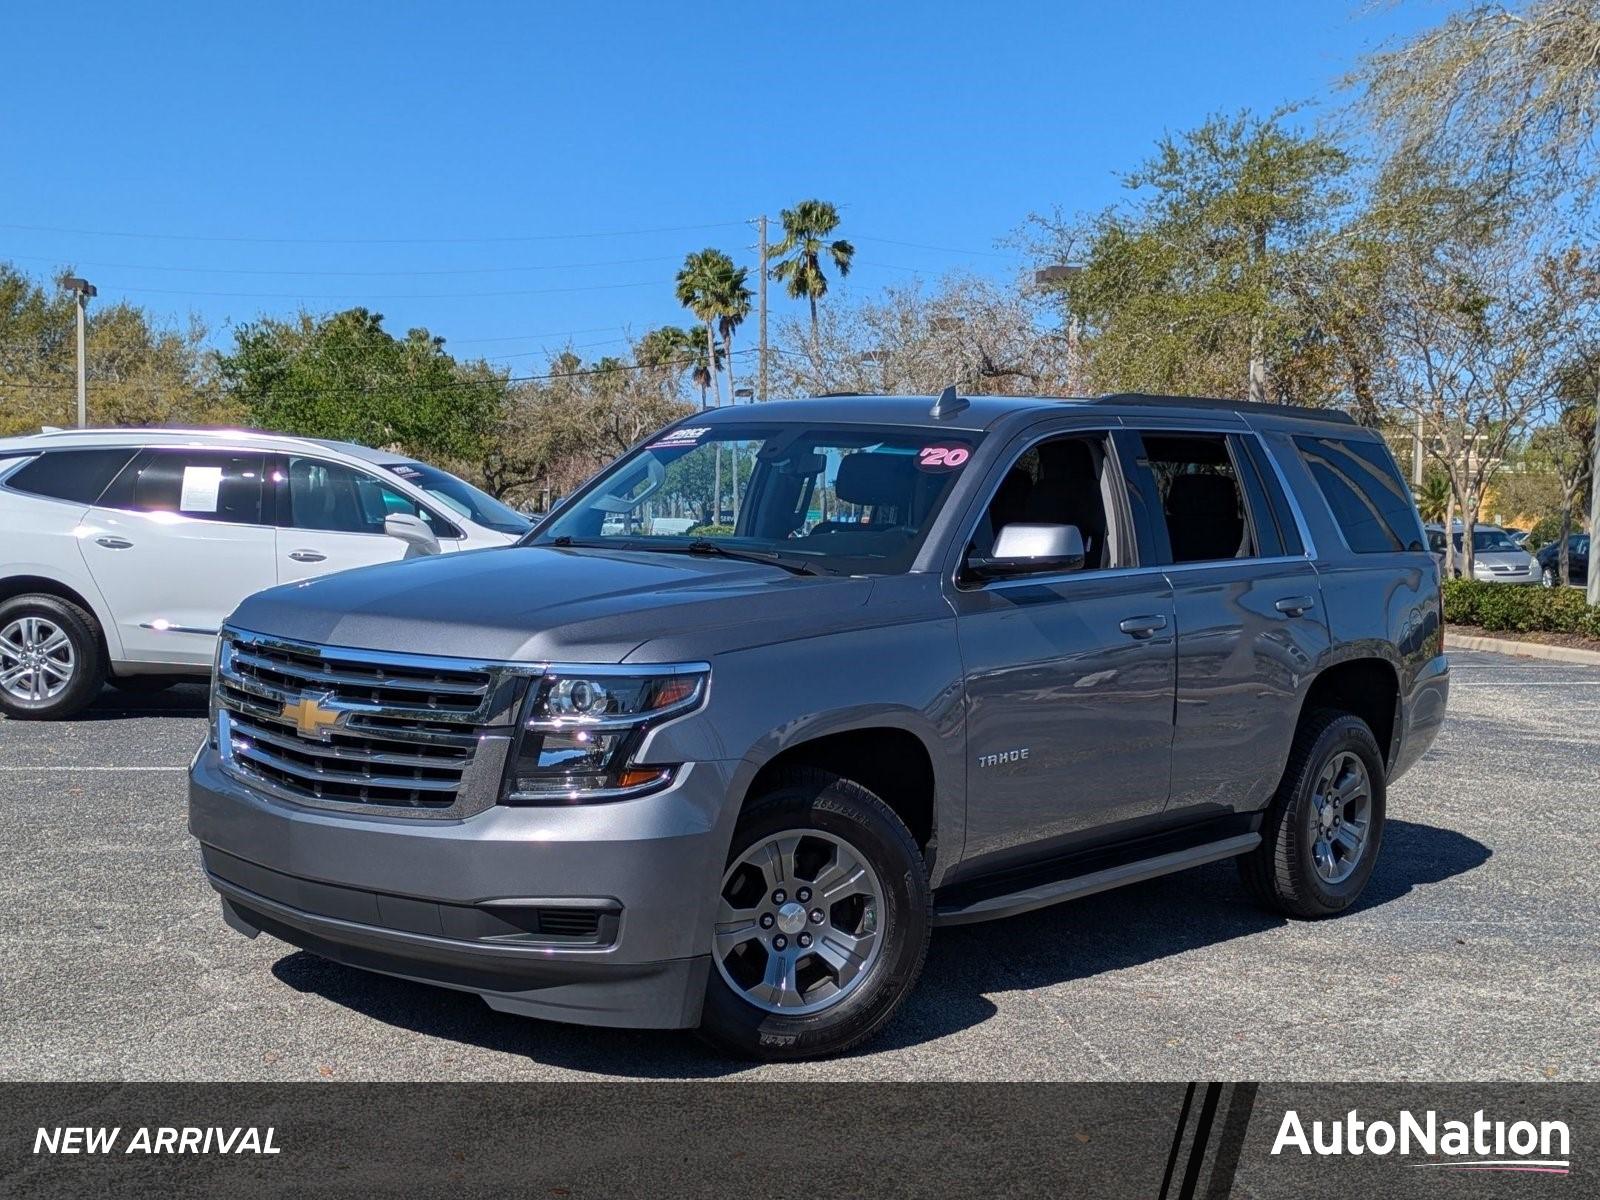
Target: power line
(109,266)
(42,343)
(413,385)
(594,287)
(926,246)
(288,241)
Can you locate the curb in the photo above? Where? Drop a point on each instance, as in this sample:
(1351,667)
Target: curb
(1565,654)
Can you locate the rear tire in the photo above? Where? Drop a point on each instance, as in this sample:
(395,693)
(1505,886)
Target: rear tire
(1322,832)
(879,909)
(51,661)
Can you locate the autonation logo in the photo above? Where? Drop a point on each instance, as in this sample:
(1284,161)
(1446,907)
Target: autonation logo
(1476,1145)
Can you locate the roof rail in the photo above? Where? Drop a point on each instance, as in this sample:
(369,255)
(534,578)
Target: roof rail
(1144,400)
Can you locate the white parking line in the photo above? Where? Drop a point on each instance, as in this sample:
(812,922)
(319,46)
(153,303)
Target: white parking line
(1494,687)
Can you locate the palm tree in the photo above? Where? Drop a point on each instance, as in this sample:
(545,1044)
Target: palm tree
(733,306)
(701,367)
(701,285)
(806,228)
(1433,497)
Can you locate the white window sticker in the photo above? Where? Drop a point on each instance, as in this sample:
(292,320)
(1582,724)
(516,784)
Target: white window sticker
(200,488)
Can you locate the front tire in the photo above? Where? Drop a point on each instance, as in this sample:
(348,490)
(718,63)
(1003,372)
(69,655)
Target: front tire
(1548,578)
(1323,830)
(823,919)
(51,663)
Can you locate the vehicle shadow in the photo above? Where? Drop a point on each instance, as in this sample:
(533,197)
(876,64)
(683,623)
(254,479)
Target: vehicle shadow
(180,700)
(1108,932)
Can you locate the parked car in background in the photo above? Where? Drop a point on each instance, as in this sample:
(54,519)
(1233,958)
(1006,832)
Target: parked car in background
(1577,561)
(1518,536)
(122,550)
(951,661)
(1496,557)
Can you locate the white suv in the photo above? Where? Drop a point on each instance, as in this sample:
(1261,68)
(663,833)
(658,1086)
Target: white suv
(122,550)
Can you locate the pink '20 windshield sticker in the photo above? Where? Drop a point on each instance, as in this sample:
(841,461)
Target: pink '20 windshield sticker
(942,458)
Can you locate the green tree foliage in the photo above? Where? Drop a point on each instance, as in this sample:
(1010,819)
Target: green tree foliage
(345,376)
(1190,288)
(803,249)
(138,373)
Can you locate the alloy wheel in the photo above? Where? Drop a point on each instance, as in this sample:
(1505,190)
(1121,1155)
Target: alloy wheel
(799,922)
(1341,816)
(37,661)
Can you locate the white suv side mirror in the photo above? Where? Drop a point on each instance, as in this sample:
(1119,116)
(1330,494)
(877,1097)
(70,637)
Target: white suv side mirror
(414,532)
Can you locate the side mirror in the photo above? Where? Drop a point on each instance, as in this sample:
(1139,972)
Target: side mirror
(1024,549)
(414,532)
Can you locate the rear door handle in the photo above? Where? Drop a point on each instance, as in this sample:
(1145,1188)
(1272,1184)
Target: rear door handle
(307,556)
(114,543)
(1142,627)
(1295,606)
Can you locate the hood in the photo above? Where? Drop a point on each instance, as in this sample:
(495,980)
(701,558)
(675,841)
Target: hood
(1518,559)
(542,604)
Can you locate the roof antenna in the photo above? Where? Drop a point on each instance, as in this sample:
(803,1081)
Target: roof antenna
(948,404)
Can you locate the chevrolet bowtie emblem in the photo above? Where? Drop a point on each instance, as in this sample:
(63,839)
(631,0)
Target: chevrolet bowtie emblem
(311,719)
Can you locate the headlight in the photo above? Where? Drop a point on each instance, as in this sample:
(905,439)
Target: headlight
(582,726)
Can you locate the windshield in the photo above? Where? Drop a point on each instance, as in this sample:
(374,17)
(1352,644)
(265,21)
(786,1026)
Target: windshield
(462,498)
(1489,539)
(849,499)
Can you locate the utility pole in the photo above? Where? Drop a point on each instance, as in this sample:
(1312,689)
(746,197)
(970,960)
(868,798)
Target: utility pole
(81,289)
(761,385)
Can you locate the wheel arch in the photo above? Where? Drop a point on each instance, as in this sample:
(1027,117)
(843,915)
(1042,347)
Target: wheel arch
(891,754)
(1366,685)
(33,584)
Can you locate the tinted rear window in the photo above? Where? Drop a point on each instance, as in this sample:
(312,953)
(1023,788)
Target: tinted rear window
(76,475)
(212,485)
(1363,487)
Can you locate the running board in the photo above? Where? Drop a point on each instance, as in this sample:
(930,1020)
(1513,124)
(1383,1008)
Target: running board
(1041,894)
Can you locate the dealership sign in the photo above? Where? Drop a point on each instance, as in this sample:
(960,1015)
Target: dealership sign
(1478,1144)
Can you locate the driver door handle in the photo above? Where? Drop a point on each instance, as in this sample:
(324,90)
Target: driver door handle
(1295,606)
(114,543)
(1142,627)
(307,556)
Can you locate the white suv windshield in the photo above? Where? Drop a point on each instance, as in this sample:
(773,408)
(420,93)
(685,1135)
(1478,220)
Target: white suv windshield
(457,494)
(848,499)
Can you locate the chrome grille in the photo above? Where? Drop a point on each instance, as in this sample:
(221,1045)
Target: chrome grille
(337,726)
(387,682)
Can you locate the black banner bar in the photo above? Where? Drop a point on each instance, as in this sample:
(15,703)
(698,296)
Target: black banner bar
(1170,1141)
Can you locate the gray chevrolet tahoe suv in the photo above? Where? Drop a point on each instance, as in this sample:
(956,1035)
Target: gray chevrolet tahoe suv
(788,685)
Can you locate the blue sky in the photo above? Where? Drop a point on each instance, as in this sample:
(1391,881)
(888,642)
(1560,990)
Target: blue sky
(486,170)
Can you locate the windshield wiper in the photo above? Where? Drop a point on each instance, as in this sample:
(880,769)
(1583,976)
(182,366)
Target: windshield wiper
(706,546)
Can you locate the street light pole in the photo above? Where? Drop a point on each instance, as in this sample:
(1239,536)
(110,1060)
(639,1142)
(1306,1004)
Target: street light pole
(761,388)
(1416,453)
(81,289)
(1063,273)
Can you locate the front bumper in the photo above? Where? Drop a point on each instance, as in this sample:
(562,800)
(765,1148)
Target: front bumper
(458,903)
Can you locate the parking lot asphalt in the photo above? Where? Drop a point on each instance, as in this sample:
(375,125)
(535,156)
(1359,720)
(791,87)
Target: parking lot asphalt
(1474,954)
